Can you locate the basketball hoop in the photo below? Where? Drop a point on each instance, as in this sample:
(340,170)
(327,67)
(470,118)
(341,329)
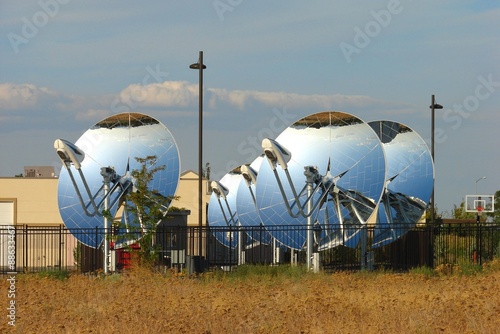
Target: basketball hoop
(479,210)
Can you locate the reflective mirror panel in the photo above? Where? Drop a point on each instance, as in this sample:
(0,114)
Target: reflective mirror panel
(115,142)
(349,172)
(222,209)
(247,208)
(410,180)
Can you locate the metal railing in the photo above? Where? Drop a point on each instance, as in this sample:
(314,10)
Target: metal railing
(34,249)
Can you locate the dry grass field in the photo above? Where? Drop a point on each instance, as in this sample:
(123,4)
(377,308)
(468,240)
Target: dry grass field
(140,301)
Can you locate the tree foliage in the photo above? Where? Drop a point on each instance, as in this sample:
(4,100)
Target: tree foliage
(428,214)
(459,212)
(148,206)
(495,215)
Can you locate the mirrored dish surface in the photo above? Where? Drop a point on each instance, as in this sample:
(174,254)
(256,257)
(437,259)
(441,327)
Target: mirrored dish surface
(222,211)
(350,165)
(410,180)
(115,142)
(247,208)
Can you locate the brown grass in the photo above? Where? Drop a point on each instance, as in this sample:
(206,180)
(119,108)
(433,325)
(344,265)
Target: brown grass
(145,302)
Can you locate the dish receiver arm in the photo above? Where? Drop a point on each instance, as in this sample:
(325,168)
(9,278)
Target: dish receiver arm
(70,154)
(221,192)
(277,154)
(250,176)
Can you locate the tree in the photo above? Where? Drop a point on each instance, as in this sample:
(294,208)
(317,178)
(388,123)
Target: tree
(495,215)
(428,214)
(149,207)
(460,212)
(206,171)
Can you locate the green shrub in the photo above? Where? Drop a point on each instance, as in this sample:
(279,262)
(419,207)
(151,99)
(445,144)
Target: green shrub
(54,274)
(424,270)
(467,268)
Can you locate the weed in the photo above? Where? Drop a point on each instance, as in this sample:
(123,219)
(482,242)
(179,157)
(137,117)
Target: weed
(424,271)
(54,274)
(259,299)
(492,266)
(252,271)
(467,268)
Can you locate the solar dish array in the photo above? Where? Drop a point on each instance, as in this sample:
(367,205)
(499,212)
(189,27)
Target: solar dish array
(337,173)
(329,169)
(114,142)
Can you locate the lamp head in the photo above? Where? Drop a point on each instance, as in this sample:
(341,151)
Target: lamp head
(196,66)
(481,178)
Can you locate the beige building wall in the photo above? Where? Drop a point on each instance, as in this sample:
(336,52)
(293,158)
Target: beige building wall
(35,204)
(35,200)
(188,196)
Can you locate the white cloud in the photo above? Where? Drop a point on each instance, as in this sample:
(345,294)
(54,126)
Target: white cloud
(167,94)
(27,105)
(177,99)
(313,102)
(183,94)
(22,96)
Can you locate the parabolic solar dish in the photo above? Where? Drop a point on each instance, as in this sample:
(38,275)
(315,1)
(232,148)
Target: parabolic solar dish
(246,204)
(348,162)
(222,209)
(409,184)
(114,142)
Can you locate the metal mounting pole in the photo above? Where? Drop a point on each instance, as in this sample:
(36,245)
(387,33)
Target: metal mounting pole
(241,246)
(106,174)
(310,238)
(364,242)
(309,230)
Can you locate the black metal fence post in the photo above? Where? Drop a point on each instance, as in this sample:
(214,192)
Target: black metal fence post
(60,247)
(25,250)
(477,257)
(430,238)
(480,254)
(94,262)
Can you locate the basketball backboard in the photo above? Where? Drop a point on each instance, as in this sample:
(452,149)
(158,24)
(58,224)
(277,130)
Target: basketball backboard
(479,203)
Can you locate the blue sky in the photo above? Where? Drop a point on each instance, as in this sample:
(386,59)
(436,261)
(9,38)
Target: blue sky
(67,64)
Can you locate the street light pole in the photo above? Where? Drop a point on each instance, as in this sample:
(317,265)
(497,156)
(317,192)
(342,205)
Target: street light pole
(481,178)
(200,66)
(433,106)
